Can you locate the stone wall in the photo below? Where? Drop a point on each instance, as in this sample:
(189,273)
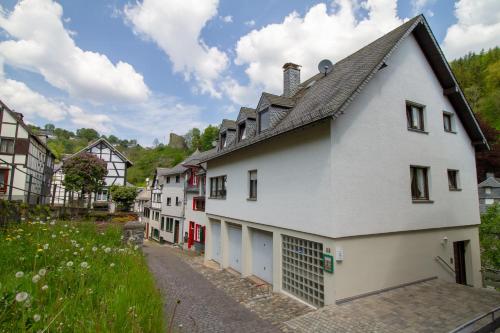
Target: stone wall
(133,233)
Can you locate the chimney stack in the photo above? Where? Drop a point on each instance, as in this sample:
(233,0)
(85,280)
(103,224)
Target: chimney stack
(291,79)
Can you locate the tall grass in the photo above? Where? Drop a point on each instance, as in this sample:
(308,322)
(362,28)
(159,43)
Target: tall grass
(71,277)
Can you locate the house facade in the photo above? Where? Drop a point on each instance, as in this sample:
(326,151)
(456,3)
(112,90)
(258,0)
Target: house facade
(116,163)
(26,163)
(489,192)
(367,170)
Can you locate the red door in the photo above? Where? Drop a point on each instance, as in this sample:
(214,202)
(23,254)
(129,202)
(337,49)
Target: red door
(191,234)
(147,230)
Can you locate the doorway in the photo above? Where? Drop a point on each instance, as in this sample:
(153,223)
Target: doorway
(176,232)
(459,258)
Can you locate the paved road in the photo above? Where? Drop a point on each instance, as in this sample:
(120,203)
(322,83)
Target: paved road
(203,307)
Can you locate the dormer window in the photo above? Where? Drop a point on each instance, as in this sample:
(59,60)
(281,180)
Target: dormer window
(264,120)
(223,140)
(242,131)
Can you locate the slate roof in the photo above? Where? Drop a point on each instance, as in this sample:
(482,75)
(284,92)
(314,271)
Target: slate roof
(283,101)
(197,157)
(227,123)
(490,182)
(246,113)
(144,195)
(327,96)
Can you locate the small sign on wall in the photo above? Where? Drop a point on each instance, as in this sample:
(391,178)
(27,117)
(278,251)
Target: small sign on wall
(339,253)
(327,263)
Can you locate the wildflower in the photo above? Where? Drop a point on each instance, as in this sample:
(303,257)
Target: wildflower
(75,253)
(112,265)
(107,250)
(69,263)
(53,236)
(42,272)
(45,287)
(84,265)
(94,249)
(36,317)
(22,258)
(136,247)
(35,278)
(45,246)
(82,249)
(18,237)
(78,231)
(19,274)
(52,222)
(40,250)
(22,296)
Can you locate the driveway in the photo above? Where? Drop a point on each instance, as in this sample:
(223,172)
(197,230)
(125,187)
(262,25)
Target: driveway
(202,307)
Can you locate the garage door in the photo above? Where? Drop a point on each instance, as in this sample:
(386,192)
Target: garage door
(262,255)
(234,248)
(216,248)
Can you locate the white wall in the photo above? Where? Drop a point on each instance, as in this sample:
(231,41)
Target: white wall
(293,182)
(172,190)
(373,150)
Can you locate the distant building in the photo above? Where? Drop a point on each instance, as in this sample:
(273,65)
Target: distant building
(142,202)
(26,163)
(489,192)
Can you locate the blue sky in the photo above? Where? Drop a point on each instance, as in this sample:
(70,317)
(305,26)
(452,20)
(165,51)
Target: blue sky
(144,69)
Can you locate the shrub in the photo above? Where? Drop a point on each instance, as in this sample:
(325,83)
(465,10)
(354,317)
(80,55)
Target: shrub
(489,237)
(124,196)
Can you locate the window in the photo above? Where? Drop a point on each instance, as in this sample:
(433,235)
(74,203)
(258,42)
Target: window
(177,201)
(169,201)
(489,201)
(199,233)
(487,190)
(264,120)
(177,179)
(419,183)
(168,180)
(170,224)
(4,176)
(252,186)
(218,187)
(223,140)
(7,146)
(162,223)
(453,180)
(448,122)
(415,116)
(242,131)
(199,204)
(102,195)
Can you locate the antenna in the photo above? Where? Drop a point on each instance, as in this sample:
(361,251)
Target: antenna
(325,66)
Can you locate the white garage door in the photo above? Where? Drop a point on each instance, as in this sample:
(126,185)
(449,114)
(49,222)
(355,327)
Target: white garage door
(234,248)
(216,249)
(262,255)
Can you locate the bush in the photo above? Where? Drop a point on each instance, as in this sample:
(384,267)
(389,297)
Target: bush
(124,196)
(68,277)
(489,237)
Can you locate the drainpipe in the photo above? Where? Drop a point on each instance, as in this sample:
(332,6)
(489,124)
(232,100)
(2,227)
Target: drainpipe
(183,210)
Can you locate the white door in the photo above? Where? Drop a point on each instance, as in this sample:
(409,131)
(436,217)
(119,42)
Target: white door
(216,249)
(262,255)
(234,248)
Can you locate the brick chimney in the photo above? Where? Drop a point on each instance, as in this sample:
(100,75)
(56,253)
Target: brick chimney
(291,79)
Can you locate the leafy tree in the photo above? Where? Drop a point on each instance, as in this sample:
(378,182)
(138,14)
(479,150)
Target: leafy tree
(50,127)
(489,237)
(123,196)
(113,139)
(210,134)
(88,134)
(193,138)
(84,172)
(489,161)
(63,134)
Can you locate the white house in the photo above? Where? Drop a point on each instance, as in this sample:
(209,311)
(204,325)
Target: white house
(26,163)
(353,181)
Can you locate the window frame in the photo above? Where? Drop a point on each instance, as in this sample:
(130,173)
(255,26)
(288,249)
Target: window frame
(414,173)
(177,179)
(223,139)
(216,191)
(456,175)
(451,117)
(168,179)
(421,128)
(242,130)
(252,196)
(169,201)
(12,147)
(266,111)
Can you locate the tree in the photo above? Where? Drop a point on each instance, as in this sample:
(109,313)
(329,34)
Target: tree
(488,160)
(489,232)
(113,139)
(50,127)
(156,142)
(84,172)
(210,134)
(88,134)
(193,138)
(123,196)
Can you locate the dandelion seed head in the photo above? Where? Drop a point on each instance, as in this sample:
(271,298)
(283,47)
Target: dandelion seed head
(42,272)
(84,265)
(36,317)
(19,274)
(112,265)
(22,296)
(35,278)
(45,287)
(69,263)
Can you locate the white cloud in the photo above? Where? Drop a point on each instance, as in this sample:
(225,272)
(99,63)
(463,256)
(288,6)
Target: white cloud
(41,44)
(175,26)
(478,27)
(331,32)
(418,6)
(227,19)
(250,23)
(99,122)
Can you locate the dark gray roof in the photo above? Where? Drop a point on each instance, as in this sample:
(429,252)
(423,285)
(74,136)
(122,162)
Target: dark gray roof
(197,157)
(246,113)
(490,182)
(283,101)
(322,97)
(228,124)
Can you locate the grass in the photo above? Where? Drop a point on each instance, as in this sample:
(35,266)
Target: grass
(71,277)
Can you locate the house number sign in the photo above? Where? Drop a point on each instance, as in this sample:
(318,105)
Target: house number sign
(327,263)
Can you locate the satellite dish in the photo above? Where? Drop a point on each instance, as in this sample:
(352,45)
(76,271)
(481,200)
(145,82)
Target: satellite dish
(325,66)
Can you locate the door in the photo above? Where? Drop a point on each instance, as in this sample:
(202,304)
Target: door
(191,234)
(234,248)
(176,232)
(216,248)
(262,255)
(459,251)
(147,230)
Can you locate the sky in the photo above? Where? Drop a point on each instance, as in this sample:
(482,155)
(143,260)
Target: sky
(143,69)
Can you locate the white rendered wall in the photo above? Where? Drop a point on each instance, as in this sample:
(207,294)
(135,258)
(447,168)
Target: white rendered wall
(172,190)
(372,151)
(293,175)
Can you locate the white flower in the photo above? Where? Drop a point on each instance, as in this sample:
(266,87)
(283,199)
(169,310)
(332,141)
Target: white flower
(75,253)
(112,265)
(136,247)
(53,236)
(18,237)
(45,287)
(78,231)
(22,296)
(84,265)
(36,317)
(22,258)
(107,250)
(42,272)
(94,249)
(82,249)
(52,222)
(19,275)
(45,246)
(35,278)
(69,263)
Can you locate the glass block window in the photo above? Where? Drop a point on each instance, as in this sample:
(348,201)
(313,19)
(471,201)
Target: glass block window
(302,271)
